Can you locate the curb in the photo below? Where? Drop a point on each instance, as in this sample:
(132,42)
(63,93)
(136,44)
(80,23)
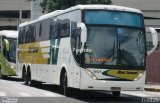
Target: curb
(152,89)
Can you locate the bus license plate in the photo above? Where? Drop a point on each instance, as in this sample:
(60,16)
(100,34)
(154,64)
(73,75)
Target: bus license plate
(115,88)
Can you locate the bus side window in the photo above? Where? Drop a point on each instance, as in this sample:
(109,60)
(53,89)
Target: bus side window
(52,34)
(45,29)
(20,36)
(40,30)
(22,39)
(64,28)
(59,29)
(37,31)
(55,30)
(27,34)
(31,33)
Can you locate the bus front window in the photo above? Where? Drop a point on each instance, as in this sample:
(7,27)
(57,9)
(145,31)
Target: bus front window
(114,38)
(12,50)
(131,47)
(102,43)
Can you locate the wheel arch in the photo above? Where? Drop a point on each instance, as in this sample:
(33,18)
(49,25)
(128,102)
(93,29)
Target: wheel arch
(63,70)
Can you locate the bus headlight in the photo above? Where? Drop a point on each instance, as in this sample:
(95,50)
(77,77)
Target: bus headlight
(90,74)
(12,67)
(140,75)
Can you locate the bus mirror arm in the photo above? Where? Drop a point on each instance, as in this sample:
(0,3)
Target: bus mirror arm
(83,34)
(154,40)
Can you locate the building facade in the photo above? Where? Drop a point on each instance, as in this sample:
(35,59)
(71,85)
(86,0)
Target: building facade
(13,12)
(36,9)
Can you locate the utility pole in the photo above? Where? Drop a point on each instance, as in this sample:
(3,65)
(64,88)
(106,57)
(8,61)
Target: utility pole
(36,9)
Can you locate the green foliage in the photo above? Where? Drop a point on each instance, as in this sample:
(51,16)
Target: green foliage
(51,5)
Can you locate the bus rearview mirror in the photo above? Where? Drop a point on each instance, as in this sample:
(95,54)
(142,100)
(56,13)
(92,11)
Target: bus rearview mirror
(154,35)
(83,34)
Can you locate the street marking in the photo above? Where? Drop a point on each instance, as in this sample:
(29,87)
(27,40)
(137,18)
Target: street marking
(53,95)
(24,94)
(139,94)
(2,94)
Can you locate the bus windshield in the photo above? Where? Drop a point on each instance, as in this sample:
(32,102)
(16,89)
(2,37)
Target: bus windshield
(12,51)
(114,42)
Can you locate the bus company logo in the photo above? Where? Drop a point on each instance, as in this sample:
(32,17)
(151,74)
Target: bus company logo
(9,100)
(123,74)
(82,50)
(126,72)
(33,50)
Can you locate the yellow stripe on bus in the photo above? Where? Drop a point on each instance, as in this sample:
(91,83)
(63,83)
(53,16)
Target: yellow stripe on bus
(32,53)
(124,74)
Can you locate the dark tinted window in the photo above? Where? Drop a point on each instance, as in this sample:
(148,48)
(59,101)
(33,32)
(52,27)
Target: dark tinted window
(52,29)
(21,36)
(26,14)
(45,29)
(64,28)
(59,29)
(9,14)
(32,33)
(38,30)
(27,34)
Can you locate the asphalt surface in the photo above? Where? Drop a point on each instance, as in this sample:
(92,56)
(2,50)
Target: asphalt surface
(14,91)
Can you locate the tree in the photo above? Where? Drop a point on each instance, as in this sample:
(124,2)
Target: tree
(51,5)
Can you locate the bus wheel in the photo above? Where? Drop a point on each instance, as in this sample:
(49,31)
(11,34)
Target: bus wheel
(25,78)
(30,82)
(4,77)
(116,93)
(64,83)
(34,83)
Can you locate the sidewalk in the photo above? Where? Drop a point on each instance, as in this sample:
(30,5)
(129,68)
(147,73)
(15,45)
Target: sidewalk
(152,87)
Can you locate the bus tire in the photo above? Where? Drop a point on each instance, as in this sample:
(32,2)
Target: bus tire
(4,77)
(116,93)
(25,78)
(34,83)
(30,82)
(64,84)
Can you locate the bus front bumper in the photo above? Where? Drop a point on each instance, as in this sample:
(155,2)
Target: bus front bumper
(88,83)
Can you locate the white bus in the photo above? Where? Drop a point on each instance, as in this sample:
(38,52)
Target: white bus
(8,42)
(87,47)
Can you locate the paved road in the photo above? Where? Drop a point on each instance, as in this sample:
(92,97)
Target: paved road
(50,94)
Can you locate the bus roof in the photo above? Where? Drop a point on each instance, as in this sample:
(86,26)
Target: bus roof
(9,33)
(81,7)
